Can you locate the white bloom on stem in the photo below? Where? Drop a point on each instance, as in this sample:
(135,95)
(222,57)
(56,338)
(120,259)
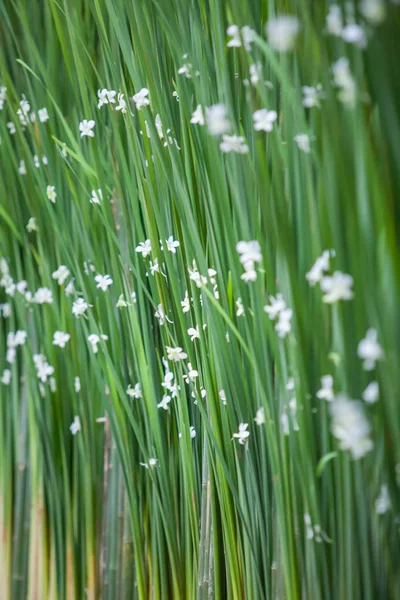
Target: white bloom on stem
(77,384)
(326,391)
(96,197)
(135,391)
(103,282)
(192,374)
(249,252)
(172,244)
(164,402)
(283,326)
(175,354)
(373,11)
(86,128)
(242,434)
(185,303)
(5,310)
(337,287)
(60,338)
(354,34)
(303,142)
(151,464)
(122,303)
(51,193)
(312,95)
(79,307)
(370,350)
(282,32)
(95,339)
(75,425)
(43,115)
(321,265)
(239,308)
(186,70)
(106,97)
(22,168)
(11,128)
(371,392)
(43,295)
(334,21)
(255,71)
(350,426)
(264,119)
(144,248)
(275,306)
(234,143)
(32,225)
(61,274)
(383,503)
(217,120)
(197,116)
(259,419)
(43,369)
(122,106)
(343,79)
(236,39)
(70,288)
(6,377)
(194,333)
(141,99)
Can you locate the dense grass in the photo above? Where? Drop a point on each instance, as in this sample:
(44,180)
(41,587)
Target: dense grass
(289,513)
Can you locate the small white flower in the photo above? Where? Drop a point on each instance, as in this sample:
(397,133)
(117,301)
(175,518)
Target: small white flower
(5,310)
(95,339)
(283,326)
(77,384)
(382,503)
(11,128)
(312,95)
(105,97)
(343,79)
(260,416)
(172,244)
(249,252)
(326,391)
(303,142)
(79,307)
(75,425)
(186,70)
(152,463)
(122,303)
(61,274)
(373,11)
(194,333)
(43,296)
(239,308)
(191,375)
(6,377)
(96,197)
(43,369)
(217,120)
(86,128)
(264,119)
(371,392)
(198,116)
(22,168)
(321,265)
(140,99)
(32,225)
(282,32)
(60,339)
(70,288)
(164,402)
(233,143)
(103,282)
(185,303)
(350,426)
(192,432)
(276,306)
(175,354)
(242,434)
(334,21)
(195,276)
(144,248)
(51,193)
(370,350)
(134,392)
(122,105)
(43,115)
(236,40)
(337,287)
(354,34)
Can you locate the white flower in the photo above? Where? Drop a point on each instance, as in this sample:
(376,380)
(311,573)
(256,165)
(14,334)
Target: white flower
(282,32)
(75,425)
(144,248)
(43,369)
(290,385)
(337,287)
(197,116)
(236,40)
(255,71)
(326,391)
(122,106)
(164,402)
(11,127)
(175,354)
(43,296)
(195,276)
(106,96)
(86,128)
(160,314)
(216,119)
(140,99)
(312,95)
(249,252)
(43,115)
(5,310)
(152,463)
(382,503)
(96,197)
(185,70)
(283,325)
(373,11)
(60,338)
(134,392)
(276,306)
(350,426)
(260,416)
(51,193)
(79,307)
(21,286)
(194,333)
(77,384)
(370,350)
(239,308)
(61,274)
(233,143)
(70,288)
(94,340)
(172,244)
(334,22)
(122,303)
(185,303)
(371,392)
(6,377)
(16,339)
(22,168)
(242,434)
(32,225)
(191,375)
(342,78)
(264,119)
(154,267)
(321,265)
(303,142)
(192,432)
(354,34)
(250,273)
(103,282)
